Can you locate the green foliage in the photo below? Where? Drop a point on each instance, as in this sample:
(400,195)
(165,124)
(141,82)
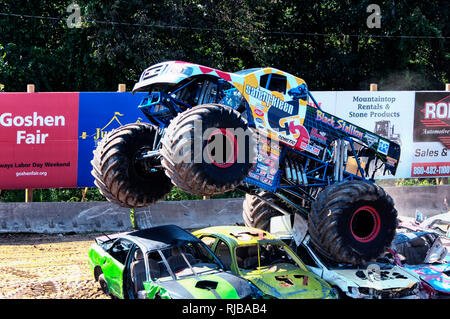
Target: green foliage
(302,37)
(421,181)
(53,195)
(15,195)
(132,218)
(177,194)
(76,194)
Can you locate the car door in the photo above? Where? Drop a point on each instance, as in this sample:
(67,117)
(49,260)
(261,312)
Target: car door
(113,267)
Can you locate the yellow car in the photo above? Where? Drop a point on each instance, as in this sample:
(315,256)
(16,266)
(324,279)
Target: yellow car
(266,261)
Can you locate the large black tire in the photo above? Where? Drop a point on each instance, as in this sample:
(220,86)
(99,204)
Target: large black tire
(257,213)
(122,179)
(183,150)
(352,222)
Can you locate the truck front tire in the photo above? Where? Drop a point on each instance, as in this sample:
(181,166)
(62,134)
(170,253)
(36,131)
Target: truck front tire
(119,176)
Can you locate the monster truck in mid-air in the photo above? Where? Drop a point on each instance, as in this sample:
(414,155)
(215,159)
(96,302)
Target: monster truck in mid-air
(255,130)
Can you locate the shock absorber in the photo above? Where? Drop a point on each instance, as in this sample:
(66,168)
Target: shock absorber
(339,159)
(294,171)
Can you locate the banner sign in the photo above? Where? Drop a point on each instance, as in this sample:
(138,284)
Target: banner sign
(431,135)
(100,113)
(385,113)
(38,140)
(401,116)
(47,139)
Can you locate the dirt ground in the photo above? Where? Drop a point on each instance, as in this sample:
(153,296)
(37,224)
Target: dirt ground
(36,266)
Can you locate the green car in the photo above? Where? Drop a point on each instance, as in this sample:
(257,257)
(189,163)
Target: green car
(265,261)
(163,262)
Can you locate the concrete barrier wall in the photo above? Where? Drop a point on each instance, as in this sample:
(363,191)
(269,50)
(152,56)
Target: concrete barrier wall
(63,217)
(429,200)
(104,216)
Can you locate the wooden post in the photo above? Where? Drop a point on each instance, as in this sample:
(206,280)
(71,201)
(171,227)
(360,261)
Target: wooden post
(83,194)
(122,88)
(447,87)
(373,87)
(29,191)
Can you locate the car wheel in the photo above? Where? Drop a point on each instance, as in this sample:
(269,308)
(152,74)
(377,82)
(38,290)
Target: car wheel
(104,284)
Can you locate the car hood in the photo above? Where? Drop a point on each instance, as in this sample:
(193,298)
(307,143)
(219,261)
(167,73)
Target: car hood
(285,281)
(219,285)
(392,278)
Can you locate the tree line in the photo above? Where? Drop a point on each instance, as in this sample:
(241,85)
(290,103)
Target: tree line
(327,43)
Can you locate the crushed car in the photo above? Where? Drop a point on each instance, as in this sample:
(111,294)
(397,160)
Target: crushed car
(164,262)
(424,254)
(381,279)
(439,223)
(376,280)
(265,261)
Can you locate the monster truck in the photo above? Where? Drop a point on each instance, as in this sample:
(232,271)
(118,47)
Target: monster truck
(260,131)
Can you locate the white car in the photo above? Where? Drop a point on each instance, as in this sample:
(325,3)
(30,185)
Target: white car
(378,280)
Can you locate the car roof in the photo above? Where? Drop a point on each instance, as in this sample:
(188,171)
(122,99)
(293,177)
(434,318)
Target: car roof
(239,235)
(161,237)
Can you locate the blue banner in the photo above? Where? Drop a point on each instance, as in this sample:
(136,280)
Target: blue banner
(99,113)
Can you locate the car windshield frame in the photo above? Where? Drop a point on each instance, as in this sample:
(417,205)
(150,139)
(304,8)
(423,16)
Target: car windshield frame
(175,275)
(279,244)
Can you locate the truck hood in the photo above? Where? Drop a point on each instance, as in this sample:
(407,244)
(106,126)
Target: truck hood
(173,72)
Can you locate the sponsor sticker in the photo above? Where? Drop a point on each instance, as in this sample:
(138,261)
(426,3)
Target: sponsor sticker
(370,139)
(383,147)
(253,175)
(318,136)
(391,161)
(259,121)
(259,112)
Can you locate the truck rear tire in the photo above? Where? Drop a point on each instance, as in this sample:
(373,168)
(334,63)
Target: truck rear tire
(119,176)
(352,222)
(188,159)
(257,213)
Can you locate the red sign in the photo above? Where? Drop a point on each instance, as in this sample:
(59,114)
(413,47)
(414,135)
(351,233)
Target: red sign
(38,140)
(430,169)
(432,117)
